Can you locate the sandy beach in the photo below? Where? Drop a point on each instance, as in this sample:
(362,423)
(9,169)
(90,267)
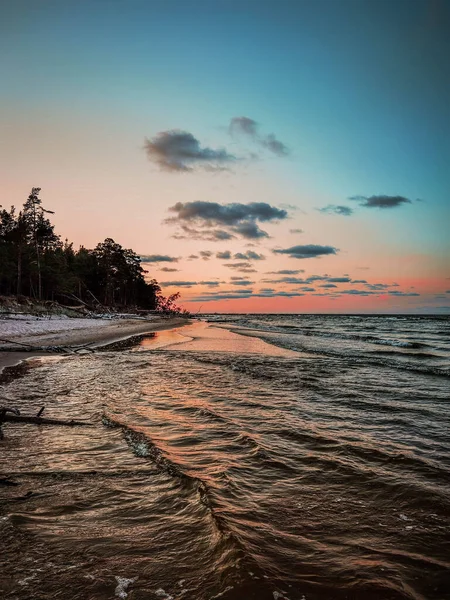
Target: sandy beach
(19,336)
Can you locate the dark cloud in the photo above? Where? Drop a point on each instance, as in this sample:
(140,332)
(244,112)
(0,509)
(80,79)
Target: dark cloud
(168,270)
(243,125)
(337,209)
(212,213)
(242,267)
(328,285)
(192,257)
(338,279)
(308,289)
(207,235)
(271,143)
(289,280)
(398,293)
(177,283)
(380,201)
(287,272)
(250,128)
(210,283)
(359,281)
(295,230)
(200,220)
(357,292)
(206,254)
(250,230)
(156,258)
(224,255)
(307,251)
(242,294)
(243,282)
(249,255)
(180,151)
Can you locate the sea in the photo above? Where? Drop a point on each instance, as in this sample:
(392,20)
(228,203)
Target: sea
(266,457)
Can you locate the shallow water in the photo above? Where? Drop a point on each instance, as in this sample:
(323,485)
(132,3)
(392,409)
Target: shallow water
(291,459)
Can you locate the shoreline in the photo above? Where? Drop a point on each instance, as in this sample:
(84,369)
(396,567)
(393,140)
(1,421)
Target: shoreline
(12,355)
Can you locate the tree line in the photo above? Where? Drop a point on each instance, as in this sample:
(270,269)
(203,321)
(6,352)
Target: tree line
(36,262)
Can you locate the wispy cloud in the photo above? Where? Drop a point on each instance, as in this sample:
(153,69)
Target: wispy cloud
(307,251)
(286,272)
(224,255)
(296,231)
(245,126)
(205,254)
(168,270)
(243,282)
(241,267)
(345,211)
(179,151)
(177,283)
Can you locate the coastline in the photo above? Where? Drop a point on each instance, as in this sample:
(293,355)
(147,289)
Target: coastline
(110,332)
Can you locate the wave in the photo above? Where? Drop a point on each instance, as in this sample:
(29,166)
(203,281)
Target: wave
(366,358)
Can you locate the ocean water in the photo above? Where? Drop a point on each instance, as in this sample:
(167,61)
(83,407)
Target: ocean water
(245,456)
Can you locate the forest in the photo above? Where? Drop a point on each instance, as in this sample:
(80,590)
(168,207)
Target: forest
(35,262)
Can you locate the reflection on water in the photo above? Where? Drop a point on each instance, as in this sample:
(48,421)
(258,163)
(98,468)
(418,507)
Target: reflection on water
(251,472)
(203,338)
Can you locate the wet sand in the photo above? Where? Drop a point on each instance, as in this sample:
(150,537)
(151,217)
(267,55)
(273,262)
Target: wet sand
(11,354)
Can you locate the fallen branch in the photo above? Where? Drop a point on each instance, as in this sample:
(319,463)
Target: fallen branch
(43,421)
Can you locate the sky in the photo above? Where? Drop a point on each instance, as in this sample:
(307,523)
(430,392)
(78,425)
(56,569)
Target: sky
(259,155)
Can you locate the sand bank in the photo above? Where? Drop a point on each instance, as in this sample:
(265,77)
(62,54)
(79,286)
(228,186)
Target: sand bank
(71,332)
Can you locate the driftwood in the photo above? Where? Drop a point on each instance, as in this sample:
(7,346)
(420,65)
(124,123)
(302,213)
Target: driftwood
(42,420)
(12,415)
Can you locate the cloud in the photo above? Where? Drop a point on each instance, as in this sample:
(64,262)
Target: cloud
(206,254)
(296,231)
(289,280)
(243,294)
(338,279)
(206,235)
(307,251)
(242,282)
(398,293)
(250,231)
(287,272)
(336,209)
(242,267)
(210,283)
(177,283)
(271,143)
(357,292)
(243,125)
(200,220)
(328,285)
(381,201)
(156,258)
(168,270)
(250,128)
(249,255)
(180,151)
(212,213)
(224,255)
